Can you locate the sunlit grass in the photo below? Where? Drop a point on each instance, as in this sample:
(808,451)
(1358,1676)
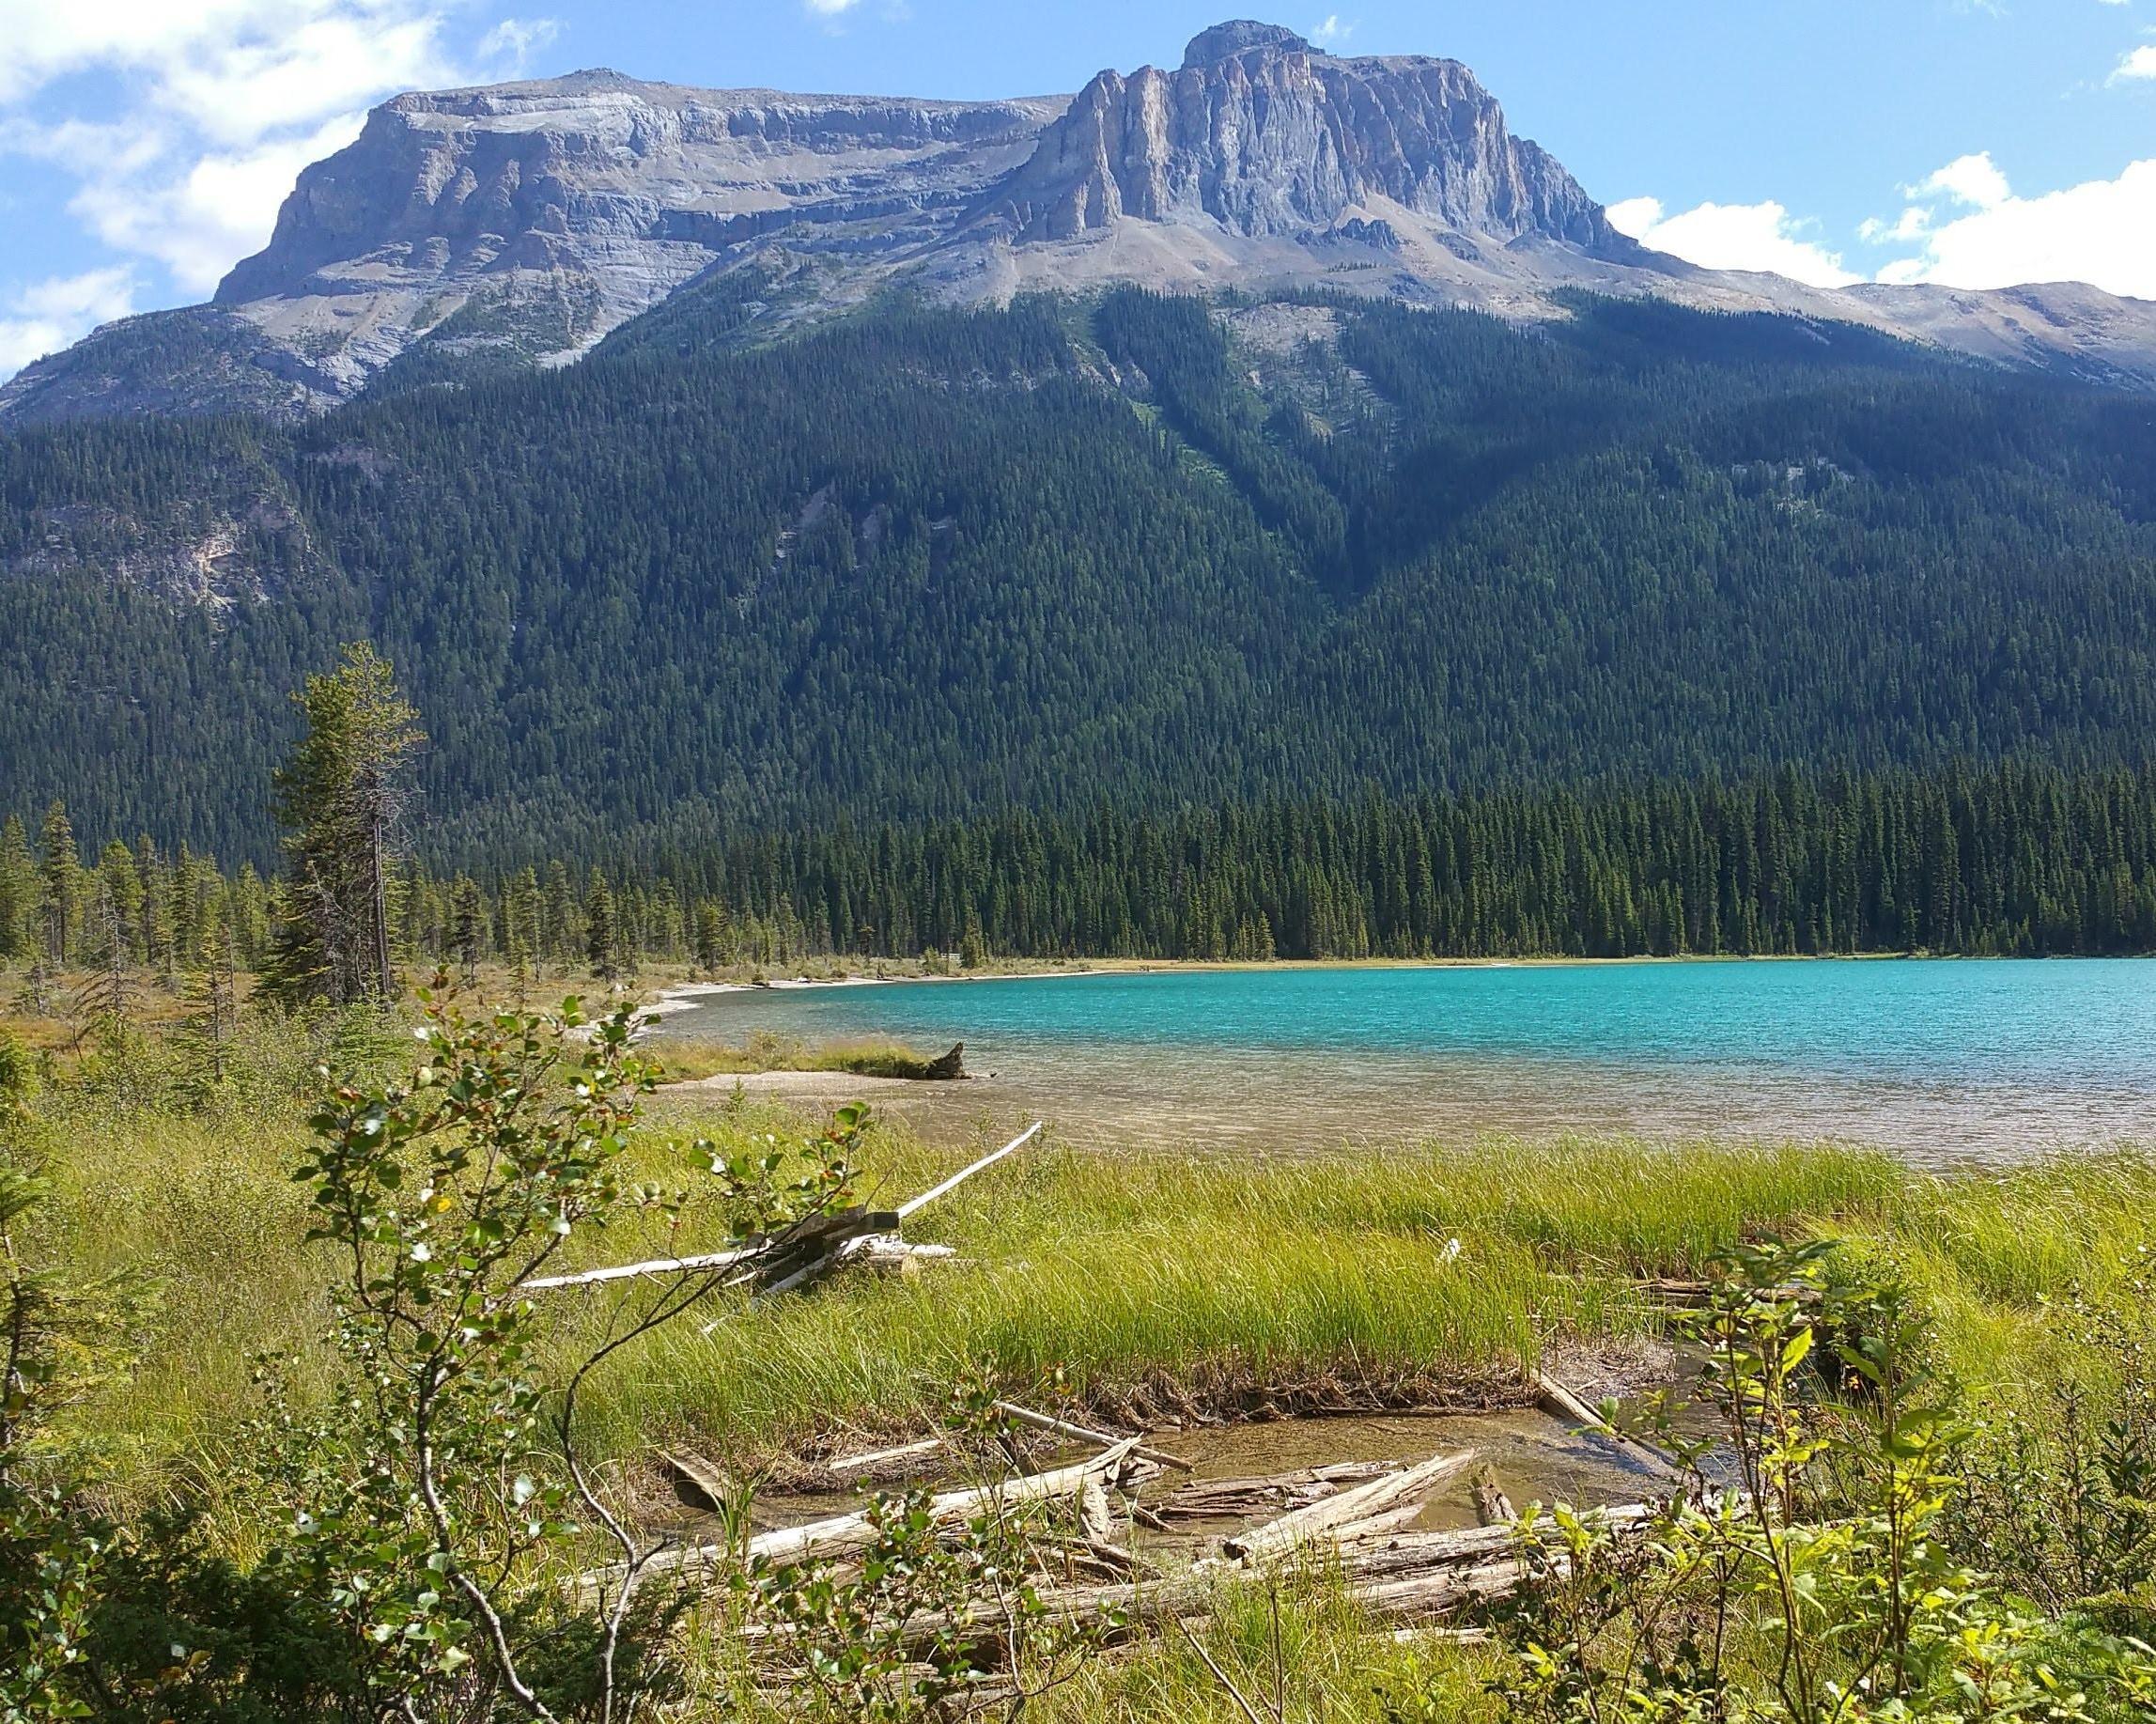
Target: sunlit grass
(1149,1279)
(687,1059)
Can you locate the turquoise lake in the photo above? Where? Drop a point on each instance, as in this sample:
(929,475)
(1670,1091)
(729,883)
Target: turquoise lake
(1943,1059)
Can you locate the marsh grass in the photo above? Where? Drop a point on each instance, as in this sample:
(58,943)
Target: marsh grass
(1303,1640)
(1152,1282)
(686,1060)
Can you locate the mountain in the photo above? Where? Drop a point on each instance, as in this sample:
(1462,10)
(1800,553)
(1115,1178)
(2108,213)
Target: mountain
(1126,548)
(467,232)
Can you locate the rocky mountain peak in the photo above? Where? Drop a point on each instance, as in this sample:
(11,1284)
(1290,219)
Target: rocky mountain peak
(1224,40)
(468,231)
(1262,136)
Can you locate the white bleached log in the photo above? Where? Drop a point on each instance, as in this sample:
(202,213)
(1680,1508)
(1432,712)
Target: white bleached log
(876,1457)
(964,1173)
(1560,1403)
(1365,1502)
(841,1533)
(1493,1507)
(630,1271)
(1094,1514)
(1079,1433)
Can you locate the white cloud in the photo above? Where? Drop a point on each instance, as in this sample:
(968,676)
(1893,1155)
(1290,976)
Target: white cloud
(2103,232)
(48,314)
(1912,225)
(513,41)
(228,65)
(246,90)
(1966,179)
(1763,237)
(1331,31)
(200,216)
(830,8)
(2141,63)
(223,101)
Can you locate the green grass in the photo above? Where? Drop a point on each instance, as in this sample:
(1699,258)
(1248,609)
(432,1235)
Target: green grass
(1330,1663)
(1152,1280)
(1145,1283)
(766,1051)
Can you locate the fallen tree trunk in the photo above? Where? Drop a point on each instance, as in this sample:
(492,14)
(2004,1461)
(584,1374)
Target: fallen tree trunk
(964,1173)
(843,1533)
(656,1265)
(1558,1401)
(1335,1514)
(793,1258)
(1414,1577)
(1493,1507)
(1079,1434)
(1242,1499)
(877,1457)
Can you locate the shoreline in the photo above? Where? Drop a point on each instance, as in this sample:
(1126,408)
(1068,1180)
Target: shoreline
(682,996)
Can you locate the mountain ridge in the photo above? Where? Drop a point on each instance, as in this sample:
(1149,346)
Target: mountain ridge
(501,226)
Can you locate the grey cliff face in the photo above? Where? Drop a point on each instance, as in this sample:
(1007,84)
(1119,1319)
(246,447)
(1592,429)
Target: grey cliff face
(1261,133)
(467,231)
(582,172)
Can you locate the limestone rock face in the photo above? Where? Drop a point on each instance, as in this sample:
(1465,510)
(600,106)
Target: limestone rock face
(470,231)
(517,224)
(1267,137)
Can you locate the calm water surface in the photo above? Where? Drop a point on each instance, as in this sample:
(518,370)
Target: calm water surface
(1944,1059)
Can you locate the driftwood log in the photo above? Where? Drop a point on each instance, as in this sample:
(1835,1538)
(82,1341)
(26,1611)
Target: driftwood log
(1379,1506)
(1244,1498)
(1408,1577)
(1493,1507)
(880,1457)
(1558,1401)
(1079,1433)
(840,1535)
(781,1262)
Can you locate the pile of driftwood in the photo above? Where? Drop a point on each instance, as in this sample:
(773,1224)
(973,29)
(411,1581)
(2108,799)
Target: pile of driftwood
(774,1264)
(1357,1517)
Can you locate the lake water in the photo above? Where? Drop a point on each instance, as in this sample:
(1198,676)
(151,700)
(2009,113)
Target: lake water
(1942,1059)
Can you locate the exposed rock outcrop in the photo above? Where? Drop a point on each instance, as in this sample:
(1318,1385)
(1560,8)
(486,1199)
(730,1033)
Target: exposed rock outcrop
(1263,136)
(471,230)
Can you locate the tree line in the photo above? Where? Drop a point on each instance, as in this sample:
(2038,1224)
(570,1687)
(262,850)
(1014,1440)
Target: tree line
(2016,859)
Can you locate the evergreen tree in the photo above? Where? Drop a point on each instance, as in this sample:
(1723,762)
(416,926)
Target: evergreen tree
(211,1015)
(522,910)
(467,928)
(601,936)
(107,1003)
(116,899)
(153,945)
(710,935)
(18,889)
(341,799)
(60,872)
(561,925)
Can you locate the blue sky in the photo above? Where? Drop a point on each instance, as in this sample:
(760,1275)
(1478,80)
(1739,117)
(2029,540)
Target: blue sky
(145,145)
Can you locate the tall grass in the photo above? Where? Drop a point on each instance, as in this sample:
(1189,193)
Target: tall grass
(1153,1280)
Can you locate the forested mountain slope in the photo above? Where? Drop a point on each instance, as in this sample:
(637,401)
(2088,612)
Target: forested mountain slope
(925,563)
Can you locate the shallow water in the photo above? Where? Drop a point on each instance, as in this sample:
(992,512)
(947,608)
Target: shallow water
(1537,1459)
(1945,1059)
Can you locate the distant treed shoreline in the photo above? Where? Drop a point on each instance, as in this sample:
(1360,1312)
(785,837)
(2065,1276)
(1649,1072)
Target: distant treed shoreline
(2012,859)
